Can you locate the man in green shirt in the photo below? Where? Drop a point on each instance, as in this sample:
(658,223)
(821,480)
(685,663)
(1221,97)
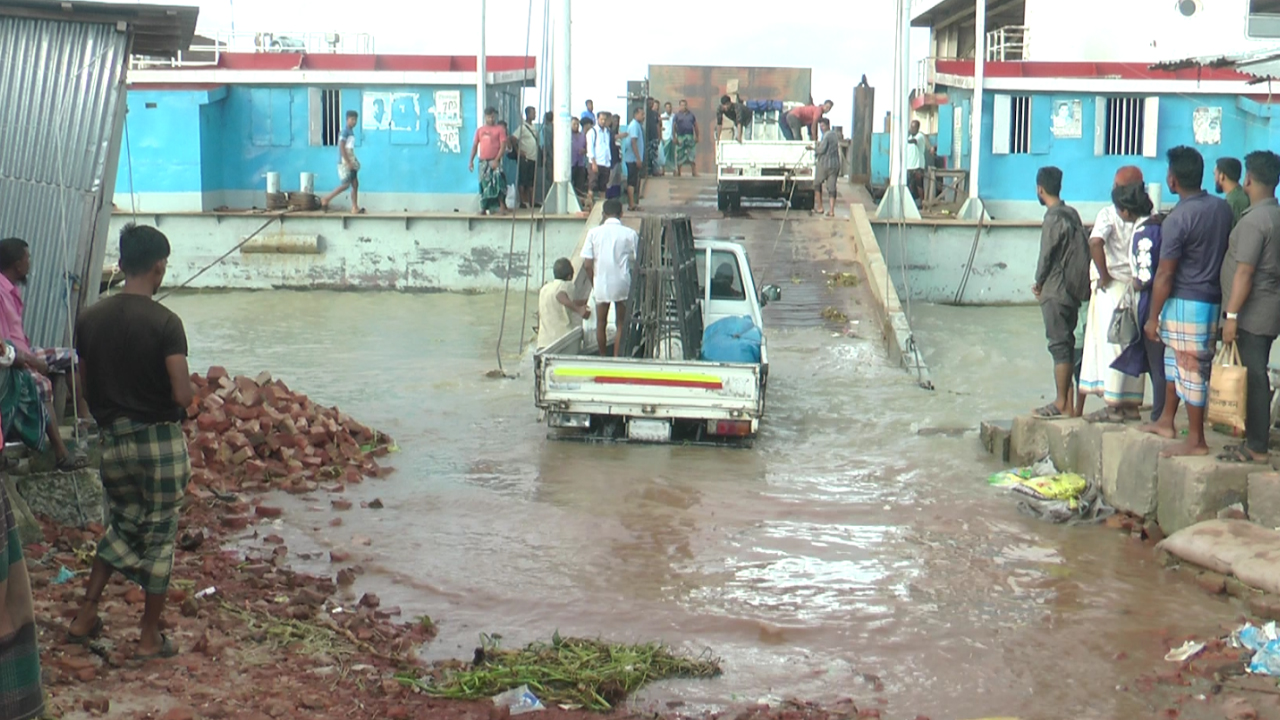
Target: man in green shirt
(1226,180)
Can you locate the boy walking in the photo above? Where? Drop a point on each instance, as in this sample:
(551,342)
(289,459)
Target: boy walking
(348,165)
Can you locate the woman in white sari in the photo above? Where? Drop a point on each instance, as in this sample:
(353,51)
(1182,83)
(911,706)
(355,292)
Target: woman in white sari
(1112,277)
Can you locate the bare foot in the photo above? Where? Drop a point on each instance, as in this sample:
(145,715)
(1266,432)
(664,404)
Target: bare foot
(1184,449)
(1158,429)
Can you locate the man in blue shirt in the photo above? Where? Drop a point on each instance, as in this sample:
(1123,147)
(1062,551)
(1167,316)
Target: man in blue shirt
(633,155)
(1186,297)
(348,165)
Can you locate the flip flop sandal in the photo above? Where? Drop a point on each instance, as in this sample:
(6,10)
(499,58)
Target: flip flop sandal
(1238,454)
(167,650)
(70,464)
(94,633)
(1049,412)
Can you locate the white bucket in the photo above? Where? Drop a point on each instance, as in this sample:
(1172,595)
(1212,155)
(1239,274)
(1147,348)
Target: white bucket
(1154,191)
(307,182)
(273,182)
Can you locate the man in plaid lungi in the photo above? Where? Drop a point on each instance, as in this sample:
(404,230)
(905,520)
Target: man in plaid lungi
(15,266)
(133,354)
(1186,298)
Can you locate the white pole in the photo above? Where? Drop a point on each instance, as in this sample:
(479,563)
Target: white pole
(480,65)
(897,140)
(975,114)
(897,201)
(561,199)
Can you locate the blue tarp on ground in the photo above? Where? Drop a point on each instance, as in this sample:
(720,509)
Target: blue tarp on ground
(732,339)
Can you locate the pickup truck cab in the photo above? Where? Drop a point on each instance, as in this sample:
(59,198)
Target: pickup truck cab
(585,396)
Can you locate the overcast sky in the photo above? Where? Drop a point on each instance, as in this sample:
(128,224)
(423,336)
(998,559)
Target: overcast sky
(840,41)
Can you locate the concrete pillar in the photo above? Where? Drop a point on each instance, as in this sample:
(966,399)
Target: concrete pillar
(480,70)
(897,201)
(973,208)
(864,101)
(560,198)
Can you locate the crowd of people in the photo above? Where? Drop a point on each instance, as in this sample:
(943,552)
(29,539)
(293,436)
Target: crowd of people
(611,155)
(1150,293)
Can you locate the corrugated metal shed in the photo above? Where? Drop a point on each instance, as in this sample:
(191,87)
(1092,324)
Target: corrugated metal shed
(1261,65)
(702,86)
(62,109)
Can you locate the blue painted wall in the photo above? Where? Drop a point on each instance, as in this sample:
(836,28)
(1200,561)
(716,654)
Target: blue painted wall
(1087,177)
(227,139)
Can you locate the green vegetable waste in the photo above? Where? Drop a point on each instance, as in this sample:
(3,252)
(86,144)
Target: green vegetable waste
(570,672)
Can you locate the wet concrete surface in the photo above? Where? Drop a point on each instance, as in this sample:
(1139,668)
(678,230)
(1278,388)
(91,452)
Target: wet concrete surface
(851,553)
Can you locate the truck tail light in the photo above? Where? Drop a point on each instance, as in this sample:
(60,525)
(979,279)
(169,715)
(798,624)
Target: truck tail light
(735,428)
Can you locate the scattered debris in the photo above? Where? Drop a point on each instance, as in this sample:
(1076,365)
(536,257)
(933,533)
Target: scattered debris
(586,673)
(1186,651)
(834,315)
(518,700)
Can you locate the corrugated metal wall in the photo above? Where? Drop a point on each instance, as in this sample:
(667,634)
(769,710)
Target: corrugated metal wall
(702,86)
(60,108)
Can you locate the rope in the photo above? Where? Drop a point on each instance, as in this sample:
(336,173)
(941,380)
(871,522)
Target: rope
(515,212)
(226,254)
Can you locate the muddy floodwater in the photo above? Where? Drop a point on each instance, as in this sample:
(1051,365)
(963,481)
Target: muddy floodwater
(856,551)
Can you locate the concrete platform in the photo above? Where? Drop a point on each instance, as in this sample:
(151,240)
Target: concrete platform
(1126,463)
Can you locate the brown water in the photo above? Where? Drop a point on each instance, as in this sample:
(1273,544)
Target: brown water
(845,543)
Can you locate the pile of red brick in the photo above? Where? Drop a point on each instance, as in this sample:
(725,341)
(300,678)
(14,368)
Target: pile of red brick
(256,434)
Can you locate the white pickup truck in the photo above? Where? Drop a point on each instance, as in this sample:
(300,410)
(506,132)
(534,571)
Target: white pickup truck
(771,169)
(585,396)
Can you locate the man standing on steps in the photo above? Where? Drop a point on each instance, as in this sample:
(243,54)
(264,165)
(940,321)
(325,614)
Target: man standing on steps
(1061,283)
(1251,289)
(133,354)
(607,256)
(684,128)
(348,166)
(1186,297)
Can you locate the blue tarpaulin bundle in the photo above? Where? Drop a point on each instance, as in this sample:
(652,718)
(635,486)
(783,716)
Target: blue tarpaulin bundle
(764,105)
(732,339)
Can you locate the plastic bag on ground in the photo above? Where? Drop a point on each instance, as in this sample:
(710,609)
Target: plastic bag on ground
(520,700)
(1007,478)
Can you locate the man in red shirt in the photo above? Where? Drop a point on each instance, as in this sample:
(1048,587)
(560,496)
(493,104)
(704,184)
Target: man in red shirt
(805,116)
(489,142)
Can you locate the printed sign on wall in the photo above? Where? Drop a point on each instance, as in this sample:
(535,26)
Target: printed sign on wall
(376,111)
(1067,120)
(448,112)
(1206,122)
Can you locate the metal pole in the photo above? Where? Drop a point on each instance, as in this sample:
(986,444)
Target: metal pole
(480,71)
(561,198)
(979,79)
(897,201)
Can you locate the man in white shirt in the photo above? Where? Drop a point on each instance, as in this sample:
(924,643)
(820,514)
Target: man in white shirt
(917,159)
(599,157)
(607,255)
(557,310)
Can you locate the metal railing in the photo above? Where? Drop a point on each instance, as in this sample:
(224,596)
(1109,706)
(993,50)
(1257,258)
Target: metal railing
(926,75)
(208,54)
(1008,43)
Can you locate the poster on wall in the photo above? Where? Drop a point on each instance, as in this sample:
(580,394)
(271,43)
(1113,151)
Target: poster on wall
(375,111)
(405,112)
(1206,122)
(1067,121)
(448,113)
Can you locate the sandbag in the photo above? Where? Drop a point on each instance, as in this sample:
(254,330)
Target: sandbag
(1261,571)
(1218,545)
(732,339)
(1227,387)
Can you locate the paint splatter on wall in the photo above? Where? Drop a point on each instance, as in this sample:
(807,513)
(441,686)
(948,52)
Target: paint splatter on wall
(448,112)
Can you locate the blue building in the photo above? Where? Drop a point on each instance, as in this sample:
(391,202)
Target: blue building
(202,135)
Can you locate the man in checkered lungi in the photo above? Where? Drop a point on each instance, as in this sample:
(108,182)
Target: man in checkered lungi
(15,266)
(133,354)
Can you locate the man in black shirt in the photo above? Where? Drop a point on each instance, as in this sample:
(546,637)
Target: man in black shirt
(133,366)
(652,137)
(736,112)
(1061,281)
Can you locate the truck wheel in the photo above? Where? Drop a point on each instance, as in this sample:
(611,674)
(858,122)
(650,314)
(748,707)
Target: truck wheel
(803,200)
(722,201)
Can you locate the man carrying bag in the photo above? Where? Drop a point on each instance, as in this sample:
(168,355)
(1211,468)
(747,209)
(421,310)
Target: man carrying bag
(1251,286)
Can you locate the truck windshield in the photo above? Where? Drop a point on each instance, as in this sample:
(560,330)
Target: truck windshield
(726,281)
